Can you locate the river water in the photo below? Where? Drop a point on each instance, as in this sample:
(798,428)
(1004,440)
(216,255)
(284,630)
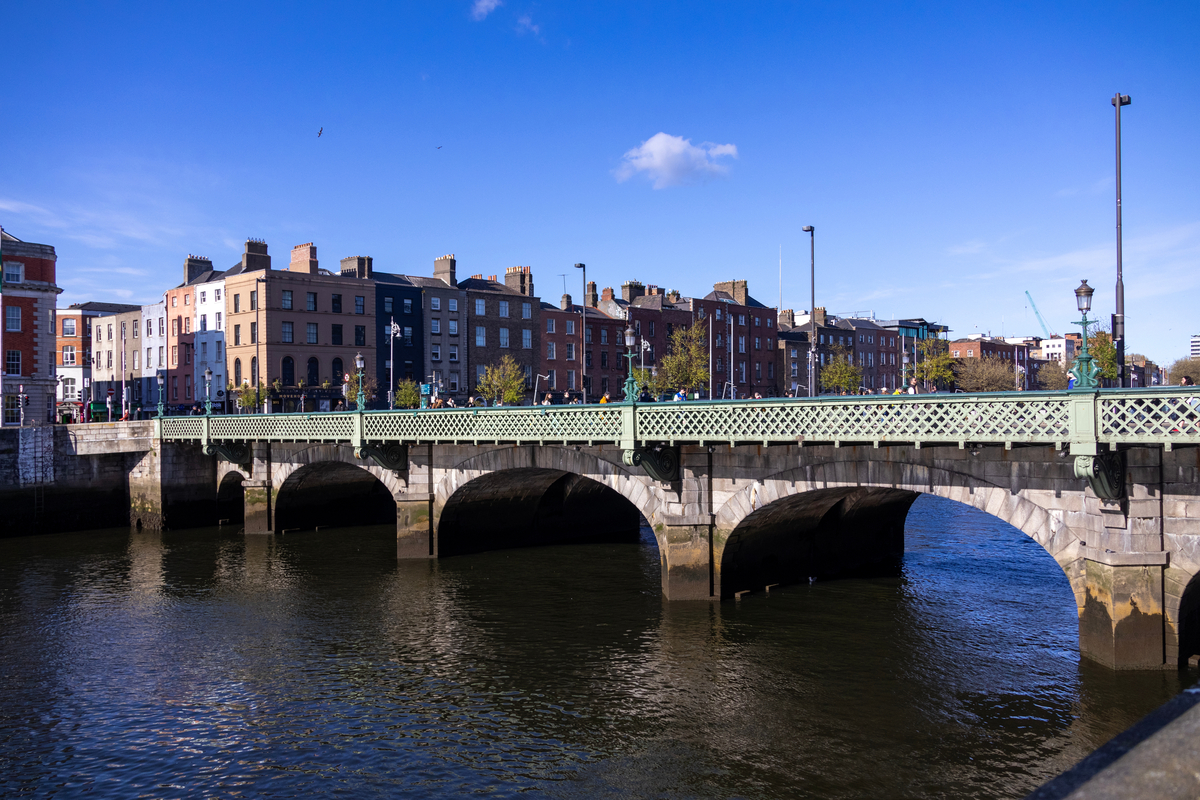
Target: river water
(203,663)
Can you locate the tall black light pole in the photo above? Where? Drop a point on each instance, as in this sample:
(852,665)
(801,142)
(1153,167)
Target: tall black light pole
(1118,319)
(583,336)
(812,311)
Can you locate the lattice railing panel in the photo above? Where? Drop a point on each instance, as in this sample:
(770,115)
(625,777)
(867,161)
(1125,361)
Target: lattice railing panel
(1144,417)
(182,427)
(536,424)
(948,419)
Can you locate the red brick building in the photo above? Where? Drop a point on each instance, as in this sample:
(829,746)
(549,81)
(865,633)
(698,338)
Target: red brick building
(744,332)
(29,292)
(564,339)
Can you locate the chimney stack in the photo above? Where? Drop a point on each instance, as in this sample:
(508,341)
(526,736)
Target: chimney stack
(736,289)
(194,267)
(565,305)
(819,316)
(631,290)
(606,295)
(591,299)
(787,319)
(255,256)
(304,258)
(520,278)
(357,267)
(444,267)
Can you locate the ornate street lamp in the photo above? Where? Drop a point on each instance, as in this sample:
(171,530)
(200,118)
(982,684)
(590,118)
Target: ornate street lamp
(359,398)
(630,383)
(208,392)
(1085,370)
(161,381)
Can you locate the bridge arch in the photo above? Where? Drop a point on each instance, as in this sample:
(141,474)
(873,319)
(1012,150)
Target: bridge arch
(874,497)
(546,486)
(326,485)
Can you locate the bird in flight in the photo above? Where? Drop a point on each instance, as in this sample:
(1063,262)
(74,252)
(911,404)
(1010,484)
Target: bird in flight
(319,132)
(439,147)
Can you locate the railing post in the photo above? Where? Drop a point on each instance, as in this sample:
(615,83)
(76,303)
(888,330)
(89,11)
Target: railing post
(629,427)
(205,438)
(1105,473)
(356,437)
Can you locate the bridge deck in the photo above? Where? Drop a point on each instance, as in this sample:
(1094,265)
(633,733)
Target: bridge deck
(1161,416)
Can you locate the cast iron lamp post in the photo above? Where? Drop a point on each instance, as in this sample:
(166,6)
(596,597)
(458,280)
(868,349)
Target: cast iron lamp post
(161,381)
(208,392)
(630,383)
(812,311)
(359,398)
(1085,370)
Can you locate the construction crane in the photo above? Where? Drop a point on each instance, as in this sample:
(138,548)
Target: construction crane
(1045,330)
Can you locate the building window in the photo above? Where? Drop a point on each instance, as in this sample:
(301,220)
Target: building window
(12,271)
(604,359)
(203,324)
(237,335)
(604,335)
(253,333)
(587,358)
(570,379)
(288,332)
(12,318)
(187,326)
(435,325)
(528,377)
(757,371)
(454,352)
(480,308)
(970,353)
(549,324)
(335,334)
(237,372)
(149,327)
(174,355)
(160,356)
(435,304)
(550,379)
(503,309)
(435,352)
(136,355)
(149,357)
(480,336)
(286,302)
(338,374)
(12,362)
(187,299)
(452,304)
(335,304)
(68,326)
(68,356)
(504,337)
(69,389)
(187,353)
(570,327)
(570,351)
(174,301)
(387,305)
(587,335)
(360,335)
(174,387)
(741,344)
(527,339)
(254,300)
(549,351)
(254,370)
(237,306)
(526,311)
(742,321)
(757,343)
(407,337)
(218,315)
(453,327)
(408,305)
(480,370)
(360,305)
(453,376)
(310,330)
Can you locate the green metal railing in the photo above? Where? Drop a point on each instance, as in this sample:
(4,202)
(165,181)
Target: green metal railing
(1113,417)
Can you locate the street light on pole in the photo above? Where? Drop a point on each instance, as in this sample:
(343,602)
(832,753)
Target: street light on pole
(359,398)
(1085,370)
(161,380)
(812,310)
(583,336)
(208,391)
(1118,318)
(393,332)
(630,383)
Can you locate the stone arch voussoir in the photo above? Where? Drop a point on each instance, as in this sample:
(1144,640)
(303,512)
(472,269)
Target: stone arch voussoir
(638,490)
(1043,526)
(284,464)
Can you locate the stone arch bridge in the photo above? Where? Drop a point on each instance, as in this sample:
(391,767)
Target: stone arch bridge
(744,495)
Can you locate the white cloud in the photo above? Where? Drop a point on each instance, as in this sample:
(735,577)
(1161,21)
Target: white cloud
(525,23)
(674,161)
(482,8)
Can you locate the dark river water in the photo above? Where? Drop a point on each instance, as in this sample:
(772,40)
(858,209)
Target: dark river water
(207,664)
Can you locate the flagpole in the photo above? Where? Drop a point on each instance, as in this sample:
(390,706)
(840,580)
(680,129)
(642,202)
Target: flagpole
(3,323)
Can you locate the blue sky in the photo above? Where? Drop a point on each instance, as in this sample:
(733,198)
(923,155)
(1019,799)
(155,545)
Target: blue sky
(950,155)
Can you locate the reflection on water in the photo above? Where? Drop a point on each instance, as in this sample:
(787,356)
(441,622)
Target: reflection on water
(198,662)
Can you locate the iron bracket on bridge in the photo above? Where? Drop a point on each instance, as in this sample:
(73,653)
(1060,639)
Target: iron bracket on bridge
(234,452)
(660,462)
(1105,473)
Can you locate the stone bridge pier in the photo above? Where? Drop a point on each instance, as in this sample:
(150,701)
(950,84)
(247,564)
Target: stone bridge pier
(729,519)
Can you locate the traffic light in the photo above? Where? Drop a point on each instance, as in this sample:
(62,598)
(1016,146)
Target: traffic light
(26,398)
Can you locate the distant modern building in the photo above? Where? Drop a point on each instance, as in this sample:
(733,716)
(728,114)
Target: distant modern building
(1057,348)
(1195,351)
(28,292)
